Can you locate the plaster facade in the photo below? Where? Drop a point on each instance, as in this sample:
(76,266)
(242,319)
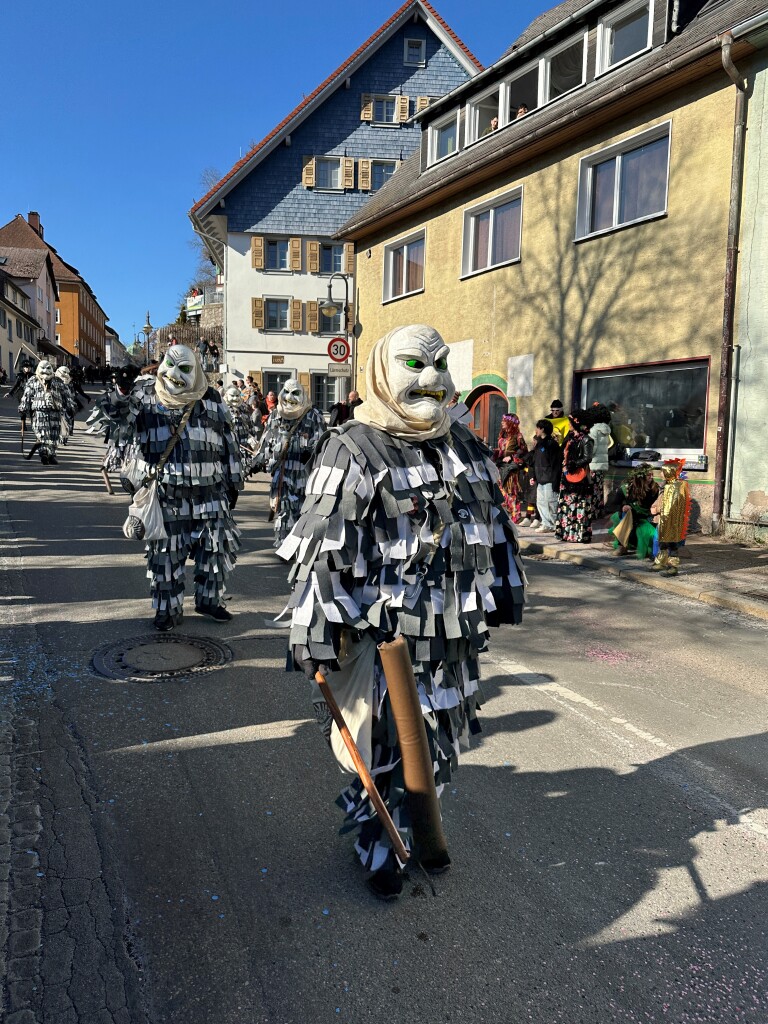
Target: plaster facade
(648,292)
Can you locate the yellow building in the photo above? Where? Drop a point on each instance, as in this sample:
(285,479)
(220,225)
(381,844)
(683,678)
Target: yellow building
(577,249)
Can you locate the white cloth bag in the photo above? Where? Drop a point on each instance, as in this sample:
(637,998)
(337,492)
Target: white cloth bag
(352,686)
(146,507)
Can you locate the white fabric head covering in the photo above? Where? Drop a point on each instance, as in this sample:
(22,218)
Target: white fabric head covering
(380,408)
(288,411)
(199,384)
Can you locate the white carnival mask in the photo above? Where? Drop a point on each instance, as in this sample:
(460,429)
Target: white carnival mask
(44,371)
(178,370)
(417,373)
(292,400)
(233,396)
(64,374)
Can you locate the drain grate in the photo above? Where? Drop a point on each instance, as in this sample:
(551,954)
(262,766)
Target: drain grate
(156,657)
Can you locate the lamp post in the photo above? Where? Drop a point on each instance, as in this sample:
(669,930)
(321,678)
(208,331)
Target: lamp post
(330,307)
(147,332)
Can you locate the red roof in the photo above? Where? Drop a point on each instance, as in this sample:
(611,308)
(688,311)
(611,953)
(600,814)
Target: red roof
(336,74)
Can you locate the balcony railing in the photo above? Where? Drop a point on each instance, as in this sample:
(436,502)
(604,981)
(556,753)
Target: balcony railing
(205,297)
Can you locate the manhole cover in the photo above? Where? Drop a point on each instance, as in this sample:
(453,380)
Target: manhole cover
(148,659)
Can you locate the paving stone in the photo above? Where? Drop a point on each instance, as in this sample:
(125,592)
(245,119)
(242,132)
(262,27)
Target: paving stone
(21,1017)
(24,943)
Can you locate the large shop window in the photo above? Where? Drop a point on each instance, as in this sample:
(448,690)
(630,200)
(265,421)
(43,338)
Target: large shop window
(404,267)
(624,183)
(492,233)
(662,407)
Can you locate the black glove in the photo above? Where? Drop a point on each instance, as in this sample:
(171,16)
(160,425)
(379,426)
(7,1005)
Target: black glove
(233,494)
(306,456)
(303,662)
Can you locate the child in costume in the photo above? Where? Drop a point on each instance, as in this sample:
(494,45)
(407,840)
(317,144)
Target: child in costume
(198,485)
(638,532)
(673,511)
(402,534)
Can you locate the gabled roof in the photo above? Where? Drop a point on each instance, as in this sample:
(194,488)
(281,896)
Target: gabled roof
(315,98)
(690,55)
(27,263)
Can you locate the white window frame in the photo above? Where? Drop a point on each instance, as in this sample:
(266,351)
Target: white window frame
(388,97)
(277,270)
(603,34)
(584,195)
(546,60)
(327,188)
(389,250)
(471,114)
(422,47)
(330,245)
(434,129)
(278,330)
(468,233)
(382,160)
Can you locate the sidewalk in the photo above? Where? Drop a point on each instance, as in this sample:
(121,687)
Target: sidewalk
(713,570)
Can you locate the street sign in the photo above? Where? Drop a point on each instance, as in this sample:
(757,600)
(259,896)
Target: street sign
(339,370)
(338,350)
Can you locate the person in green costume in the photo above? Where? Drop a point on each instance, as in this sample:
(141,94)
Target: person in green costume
(636,501)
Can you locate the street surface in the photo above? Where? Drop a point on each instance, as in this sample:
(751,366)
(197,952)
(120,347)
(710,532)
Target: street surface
(609,830)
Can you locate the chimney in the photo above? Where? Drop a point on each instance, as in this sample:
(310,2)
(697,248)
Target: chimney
(33,219)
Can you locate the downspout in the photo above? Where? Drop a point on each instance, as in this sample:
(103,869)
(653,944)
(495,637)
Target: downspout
(729,306)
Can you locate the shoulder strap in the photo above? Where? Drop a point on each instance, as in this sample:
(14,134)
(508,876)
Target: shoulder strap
(158,468)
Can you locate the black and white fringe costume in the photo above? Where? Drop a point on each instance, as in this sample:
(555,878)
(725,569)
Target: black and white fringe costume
(409,538)
(46,402)
(284,452)
(196,487)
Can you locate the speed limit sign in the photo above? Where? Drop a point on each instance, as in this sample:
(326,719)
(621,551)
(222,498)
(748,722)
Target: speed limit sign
(338,350)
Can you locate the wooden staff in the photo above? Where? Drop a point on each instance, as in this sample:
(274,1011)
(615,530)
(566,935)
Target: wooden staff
(362,771)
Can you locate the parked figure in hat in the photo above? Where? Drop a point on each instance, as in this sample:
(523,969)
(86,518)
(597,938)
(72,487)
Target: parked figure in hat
(198,485)
(673,512)
(509,456)
(292,430)
(46,400)
(246,431)
(64,375)
(403,534)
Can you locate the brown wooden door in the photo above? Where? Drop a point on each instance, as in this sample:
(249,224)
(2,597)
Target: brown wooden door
(486,413)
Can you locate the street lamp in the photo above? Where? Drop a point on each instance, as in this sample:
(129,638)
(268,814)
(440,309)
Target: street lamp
(330,307)
(147,332)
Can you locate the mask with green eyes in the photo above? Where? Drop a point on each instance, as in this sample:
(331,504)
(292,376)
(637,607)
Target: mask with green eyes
(178,370)
(417,373)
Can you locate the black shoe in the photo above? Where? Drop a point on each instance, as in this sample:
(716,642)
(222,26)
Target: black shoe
(164,621)
(214,611)
(45,459)
(437,865)
(52,460)
(386,883)
(31,452)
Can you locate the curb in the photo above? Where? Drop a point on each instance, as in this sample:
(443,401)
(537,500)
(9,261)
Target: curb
(673,585)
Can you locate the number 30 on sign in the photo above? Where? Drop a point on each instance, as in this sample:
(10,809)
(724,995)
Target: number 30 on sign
(338,350)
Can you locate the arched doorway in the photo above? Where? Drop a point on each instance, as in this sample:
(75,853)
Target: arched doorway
(486,405)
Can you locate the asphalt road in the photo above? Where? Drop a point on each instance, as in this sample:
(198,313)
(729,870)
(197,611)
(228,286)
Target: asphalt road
(609,830)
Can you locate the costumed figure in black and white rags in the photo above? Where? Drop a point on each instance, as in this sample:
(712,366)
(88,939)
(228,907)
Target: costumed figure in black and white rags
(45,401)
(197,487)
(246,431)
(292,430)
(120,448)
(403,533)
(64,375)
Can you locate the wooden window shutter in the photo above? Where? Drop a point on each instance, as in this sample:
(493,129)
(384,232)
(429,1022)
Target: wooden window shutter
(308,171)
(403,108)
(313,318)
(422,102)
(295,253)
(313,257)
(349,257)
(305,380)
(349,327)
(296,314)
(256,374)
(366,108)
(257,314)
(348,172)
(257,252)
(364,175)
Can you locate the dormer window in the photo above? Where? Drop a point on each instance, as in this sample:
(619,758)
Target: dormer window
(483,115)
(564,69)
(623,34)
(444,137)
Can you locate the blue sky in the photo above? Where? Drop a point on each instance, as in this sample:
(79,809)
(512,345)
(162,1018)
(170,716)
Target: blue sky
(115,109)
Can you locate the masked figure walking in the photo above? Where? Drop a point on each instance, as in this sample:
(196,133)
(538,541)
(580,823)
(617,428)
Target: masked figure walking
(403,534)
(197,486)
(46,400)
